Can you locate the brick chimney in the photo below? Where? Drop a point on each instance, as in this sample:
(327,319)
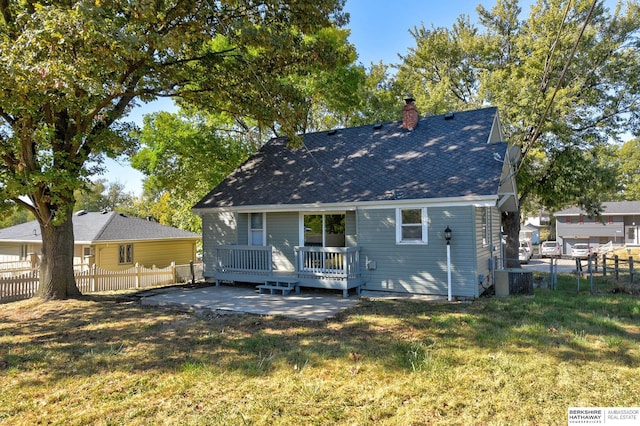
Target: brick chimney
(410,114)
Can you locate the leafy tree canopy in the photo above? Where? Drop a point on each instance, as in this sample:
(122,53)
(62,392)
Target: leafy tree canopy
(627,159)
(184,156)
(71,71)
(101,195)
(564,79)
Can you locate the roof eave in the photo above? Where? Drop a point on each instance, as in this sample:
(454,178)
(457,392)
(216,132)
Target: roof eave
(146,240)
(474,200)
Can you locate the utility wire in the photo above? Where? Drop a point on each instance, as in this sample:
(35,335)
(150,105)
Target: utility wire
(549,63)
(538,128)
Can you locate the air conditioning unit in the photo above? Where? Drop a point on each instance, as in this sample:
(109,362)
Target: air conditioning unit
(513,281)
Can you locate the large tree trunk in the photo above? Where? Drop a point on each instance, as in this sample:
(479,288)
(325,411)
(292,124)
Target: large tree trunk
(511,228)
(56,269)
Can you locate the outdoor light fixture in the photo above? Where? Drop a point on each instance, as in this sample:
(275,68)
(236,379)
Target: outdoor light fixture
(447,235)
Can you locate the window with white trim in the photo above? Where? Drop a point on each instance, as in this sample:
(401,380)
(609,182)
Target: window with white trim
(485,226)
(411,225)
(257,229)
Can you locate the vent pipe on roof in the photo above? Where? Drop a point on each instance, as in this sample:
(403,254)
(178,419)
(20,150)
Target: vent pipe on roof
(410,114)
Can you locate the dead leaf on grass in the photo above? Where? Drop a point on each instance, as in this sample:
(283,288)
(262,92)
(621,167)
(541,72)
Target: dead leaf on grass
(355,357)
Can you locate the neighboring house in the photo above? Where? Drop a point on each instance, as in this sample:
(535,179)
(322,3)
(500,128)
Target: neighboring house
(366,207)
(619,224)
(542,218)
(110,240)
(530,233)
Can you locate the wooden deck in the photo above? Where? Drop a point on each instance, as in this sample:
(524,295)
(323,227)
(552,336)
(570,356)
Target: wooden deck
(336,268)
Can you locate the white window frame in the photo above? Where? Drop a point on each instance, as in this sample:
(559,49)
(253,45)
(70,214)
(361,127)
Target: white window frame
(486,212)
(250,230)
(424,222)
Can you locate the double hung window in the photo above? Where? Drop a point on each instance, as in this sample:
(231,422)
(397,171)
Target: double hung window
(411,226)
(257,230)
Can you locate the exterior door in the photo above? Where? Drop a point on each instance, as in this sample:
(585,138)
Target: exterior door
(632,235)
(324,230)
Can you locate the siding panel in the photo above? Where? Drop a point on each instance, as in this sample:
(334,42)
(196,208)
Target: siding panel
(588,231)
(419,269)
(147,253)
(162,253)
(242,236)
(485,252)
(282,234)
(217,229)
(351,237)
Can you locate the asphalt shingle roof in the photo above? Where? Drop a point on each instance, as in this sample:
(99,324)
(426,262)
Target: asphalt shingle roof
(611,208)
(95,227)
(439,158)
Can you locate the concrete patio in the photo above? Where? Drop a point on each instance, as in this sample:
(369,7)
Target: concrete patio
(313,305)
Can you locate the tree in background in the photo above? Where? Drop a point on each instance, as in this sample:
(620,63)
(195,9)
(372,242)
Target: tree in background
(71,71)
(184,155)
(14,215)
(627,157)
(564,80)
(354,96)
(379,98)
(101,195)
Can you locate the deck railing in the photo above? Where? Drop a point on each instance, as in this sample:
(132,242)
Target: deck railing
(244,259)
(328,262)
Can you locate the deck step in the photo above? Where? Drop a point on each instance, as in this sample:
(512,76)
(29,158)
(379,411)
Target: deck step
(285,286)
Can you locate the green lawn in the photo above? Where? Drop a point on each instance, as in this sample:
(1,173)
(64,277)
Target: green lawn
(514,360)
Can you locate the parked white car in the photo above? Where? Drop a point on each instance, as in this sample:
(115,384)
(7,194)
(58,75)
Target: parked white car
(580,250)
(526,244)
(550,249)
(523,255)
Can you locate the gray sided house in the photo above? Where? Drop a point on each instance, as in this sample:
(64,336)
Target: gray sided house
(366,208)
(619,224)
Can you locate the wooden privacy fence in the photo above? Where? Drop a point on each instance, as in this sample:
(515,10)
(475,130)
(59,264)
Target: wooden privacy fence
(25,285)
